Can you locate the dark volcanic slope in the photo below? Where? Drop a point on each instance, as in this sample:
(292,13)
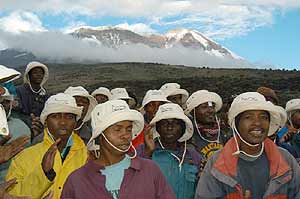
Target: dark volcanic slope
(140,77)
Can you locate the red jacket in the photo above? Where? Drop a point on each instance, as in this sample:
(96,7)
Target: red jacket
(219,178)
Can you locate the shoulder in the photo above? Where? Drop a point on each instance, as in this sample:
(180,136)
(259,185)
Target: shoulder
(144,164)
(26,155)
(286,154)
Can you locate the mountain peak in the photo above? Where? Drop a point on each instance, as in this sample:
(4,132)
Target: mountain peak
(114,36)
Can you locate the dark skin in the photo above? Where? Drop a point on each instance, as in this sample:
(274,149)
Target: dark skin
(296,119)
(85,103)
(150,109)
(120,135)
(36,76)
(170,130)
(61,126)
(205,114)
(101,98)
(253,127)
(177,99)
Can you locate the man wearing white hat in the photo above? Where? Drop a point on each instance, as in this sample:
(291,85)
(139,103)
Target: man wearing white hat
(45,167)
(88,102)
(209,134)
(115,174)
(151,102)
(251,165)
(32,94)
(171,129)
(175,94)
(293,113)
(101,94)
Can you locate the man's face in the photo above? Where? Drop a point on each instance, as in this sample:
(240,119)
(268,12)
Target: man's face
(151,109)
(296,119)
(170,130)
(253,126)
(6,104)
(177,99)
(101,98)
(61,125)
(83,101)
(36,75)
(205,113)
(119,134)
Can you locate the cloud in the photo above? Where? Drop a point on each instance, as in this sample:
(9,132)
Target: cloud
(59,47)
(138,28)
(19,21)
(217,19)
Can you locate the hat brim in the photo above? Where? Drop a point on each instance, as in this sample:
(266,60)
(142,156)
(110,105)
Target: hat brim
(189,129)
(131,115)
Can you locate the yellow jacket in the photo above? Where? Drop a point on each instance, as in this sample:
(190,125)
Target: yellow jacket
(27,168)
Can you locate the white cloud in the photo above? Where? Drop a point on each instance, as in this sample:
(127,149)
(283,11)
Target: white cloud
(19,21)
(138,28)
(60,47)
(218,19)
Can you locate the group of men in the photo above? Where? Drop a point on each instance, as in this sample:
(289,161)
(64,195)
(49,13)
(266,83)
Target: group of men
(101,145)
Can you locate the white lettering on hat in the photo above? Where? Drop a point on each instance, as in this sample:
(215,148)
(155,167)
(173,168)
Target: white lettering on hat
(168,109)
(118,108)
(249,99)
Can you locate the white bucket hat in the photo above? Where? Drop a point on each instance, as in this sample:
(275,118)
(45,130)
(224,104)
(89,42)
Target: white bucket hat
(154,95)
(109,113)
(203,96)
(173,111)
(102,91)
(119,93)
(292,105)
(3,122)
(60,103)
(174,89)
(8,74)
(33,65)
(80,91)
(255,101)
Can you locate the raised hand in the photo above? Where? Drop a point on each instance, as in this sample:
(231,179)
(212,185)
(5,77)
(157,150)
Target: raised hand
(48,159)
(149,141)
(36,126)
(10,150)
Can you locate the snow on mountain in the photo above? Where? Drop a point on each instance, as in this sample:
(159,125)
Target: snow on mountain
(115,37)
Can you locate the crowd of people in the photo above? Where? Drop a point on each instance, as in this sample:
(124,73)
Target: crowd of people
(75,144)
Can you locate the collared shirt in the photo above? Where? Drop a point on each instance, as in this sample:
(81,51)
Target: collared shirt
(143,179)
(65,150)
(114,176)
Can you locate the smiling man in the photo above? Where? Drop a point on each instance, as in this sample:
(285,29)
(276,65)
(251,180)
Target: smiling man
(251,165)
(45,166)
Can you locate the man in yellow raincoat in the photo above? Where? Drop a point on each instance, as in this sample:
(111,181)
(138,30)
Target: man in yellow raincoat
(45,167)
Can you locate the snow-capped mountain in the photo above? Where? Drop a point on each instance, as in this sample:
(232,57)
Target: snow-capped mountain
(115,37)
